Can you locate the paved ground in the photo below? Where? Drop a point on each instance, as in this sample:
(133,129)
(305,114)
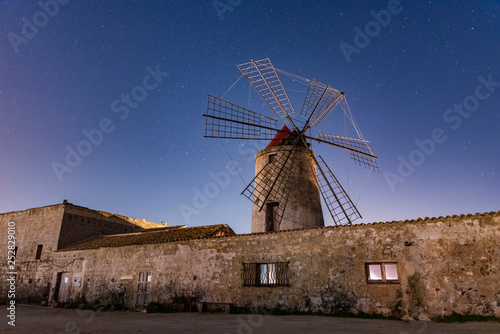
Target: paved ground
(35,319)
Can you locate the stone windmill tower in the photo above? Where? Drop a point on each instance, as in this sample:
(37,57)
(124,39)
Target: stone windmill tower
(301,186)
(289,178)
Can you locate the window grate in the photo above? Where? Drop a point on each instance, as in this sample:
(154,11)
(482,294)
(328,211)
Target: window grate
(272,274)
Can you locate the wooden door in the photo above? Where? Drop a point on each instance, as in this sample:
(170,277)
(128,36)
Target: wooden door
(143,289)
(64,288)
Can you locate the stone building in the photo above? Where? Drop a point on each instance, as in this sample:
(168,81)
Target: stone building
(416,268)
(303,207)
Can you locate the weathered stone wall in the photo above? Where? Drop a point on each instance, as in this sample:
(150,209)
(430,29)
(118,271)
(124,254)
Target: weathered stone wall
(76,228)
(109,217)
(53,227)
(445,265)
(38,226)
(303,205)
(33,227)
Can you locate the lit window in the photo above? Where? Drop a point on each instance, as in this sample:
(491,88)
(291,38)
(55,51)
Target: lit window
(265,274)
(382,273)
(375,272)
(391,271)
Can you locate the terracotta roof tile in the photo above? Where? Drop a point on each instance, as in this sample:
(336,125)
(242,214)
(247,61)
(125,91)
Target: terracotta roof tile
(156,236)
(361,225)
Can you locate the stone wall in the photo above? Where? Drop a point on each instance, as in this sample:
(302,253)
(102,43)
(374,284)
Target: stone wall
(50,228)
(445,265)
(33,227)
(77,227)
(302,207)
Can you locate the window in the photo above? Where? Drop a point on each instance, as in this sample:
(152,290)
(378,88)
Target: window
(265,274)
(382,273)
(270,221)
(272,158)
(38,252)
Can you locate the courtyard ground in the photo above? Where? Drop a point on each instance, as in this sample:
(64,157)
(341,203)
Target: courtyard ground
(36,319)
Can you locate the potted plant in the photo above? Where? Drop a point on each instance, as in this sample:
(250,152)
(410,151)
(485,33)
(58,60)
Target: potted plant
(179,302)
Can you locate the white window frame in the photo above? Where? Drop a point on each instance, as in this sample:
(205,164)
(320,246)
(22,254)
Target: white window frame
(383,271)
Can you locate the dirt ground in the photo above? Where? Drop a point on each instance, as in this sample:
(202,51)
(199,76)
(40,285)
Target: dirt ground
(36,319)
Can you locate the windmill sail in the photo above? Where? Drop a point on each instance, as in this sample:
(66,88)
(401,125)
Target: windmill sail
(273,183)
(361,150)
(227,120)
(281,179)
(343,211)
(263,77)
(320,100)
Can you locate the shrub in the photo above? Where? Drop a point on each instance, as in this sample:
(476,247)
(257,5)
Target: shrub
(155,308)
(160,308)
(457,317)
(178,299)
(239,310)
(112,302)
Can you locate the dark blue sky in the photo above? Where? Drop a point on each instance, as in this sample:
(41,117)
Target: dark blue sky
(429,74)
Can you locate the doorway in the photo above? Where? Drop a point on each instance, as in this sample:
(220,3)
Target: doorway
(143,289)
(271,223)
(64,283)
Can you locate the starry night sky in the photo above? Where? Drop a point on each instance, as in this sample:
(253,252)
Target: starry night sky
(423,74)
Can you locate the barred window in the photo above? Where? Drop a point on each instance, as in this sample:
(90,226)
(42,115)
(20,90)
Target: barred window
(265,274)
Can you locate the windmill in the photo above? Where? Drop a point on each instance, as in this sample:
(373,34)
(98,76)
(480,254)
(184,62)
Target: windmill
(289,177)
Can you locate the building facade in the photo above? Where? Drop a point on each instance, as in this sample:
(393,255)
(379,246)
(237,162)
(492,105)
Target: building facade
(417,268)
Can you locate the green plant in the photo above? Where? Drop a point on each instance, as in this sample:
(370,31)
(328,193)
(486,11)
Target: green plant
(74,303)
(111,302)
(155,308)
(457,317)
(283,311)
(178,299)
(93,305)
(239,310)
(160,308)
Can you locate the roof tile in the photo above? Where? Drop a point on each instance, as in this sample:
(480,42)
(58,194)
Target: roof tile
(156,236)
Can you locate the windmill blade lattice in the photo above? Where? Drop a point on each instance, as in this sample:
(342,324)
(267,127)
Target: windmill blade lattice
(274,182)
(263,77)
(320,100)
(343,211)
(278,182)
(361,149)
(226,120)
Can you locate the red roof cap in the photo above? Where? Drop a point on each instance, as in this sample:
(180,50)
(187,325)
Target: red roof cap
(282,134)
